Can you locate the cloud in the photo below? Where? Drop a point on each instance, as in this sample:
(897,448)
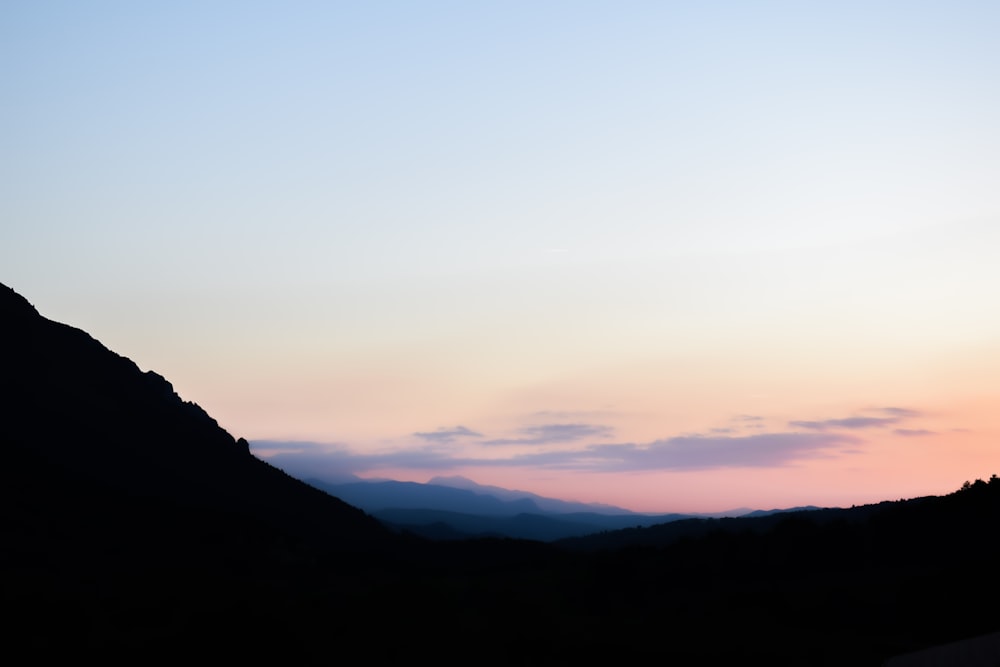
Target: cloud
(742,423)
(692,452)
(577,446)
(304,459)
(448,434)
(554,433)
(295,446)
(912,432)
(902,412)
(576,414)
(894,415)
(314,459)
(849,423)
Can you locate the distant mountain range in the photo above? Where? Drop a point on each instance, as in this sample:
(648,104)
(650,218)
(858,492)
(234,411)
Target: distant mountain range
(542,503)
(459,508)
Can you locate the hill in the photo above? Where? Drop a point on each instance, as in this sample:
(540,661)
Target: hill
(128,515)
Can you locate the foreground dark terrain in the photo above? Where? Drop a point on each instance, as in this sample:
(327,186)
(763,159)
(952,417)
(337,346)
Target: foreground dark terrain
(134,526)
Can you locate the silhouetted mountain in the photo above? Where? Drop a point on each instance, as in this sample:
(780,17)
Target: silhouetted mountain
(757,522)
(128,516)
(524,526)
(664,533)
(753,513)
(79,414)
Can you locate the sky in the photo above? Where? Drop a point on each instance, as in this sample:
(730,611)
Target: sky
(668,256)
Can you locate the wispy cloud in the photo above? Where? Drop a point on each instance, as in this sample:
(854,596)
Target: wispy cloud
(315,459)
(912,432)
(902,412)
(748,418)
(848,422)
(695,453)
(742,423)
(578,446)
(293,446)
(444,434)
(692,452)
(889,416)
(576,414)
(554,433)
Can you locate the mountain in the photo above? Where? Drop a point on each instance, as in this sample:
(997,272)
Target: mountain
(443,511)
(376,496)
(551,505)
(133,527)
(129,517)
(556,506)
(523,526)
(77,414)
(754,513)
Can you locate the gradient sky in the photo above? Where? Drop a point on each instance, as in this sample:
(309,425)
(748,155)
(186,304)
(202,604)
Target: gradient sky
(669,256)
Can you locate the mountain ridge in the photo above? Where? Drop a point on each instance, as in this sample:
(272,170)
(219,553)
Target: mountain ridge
(424,509)
(544,503)
(463,509)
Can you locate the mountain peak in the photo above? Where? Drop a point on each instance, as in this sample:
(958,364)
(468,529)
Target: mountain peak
(456,481)
(13,305)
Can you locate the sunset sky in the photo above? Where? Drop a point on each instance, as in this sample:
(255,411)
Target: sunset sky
(671,256)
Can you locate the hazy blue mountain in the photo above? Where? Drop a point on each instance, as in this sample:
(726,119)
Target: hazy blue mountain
(377,496)
(554,505)
(545,504)
(457,507)
(435,510)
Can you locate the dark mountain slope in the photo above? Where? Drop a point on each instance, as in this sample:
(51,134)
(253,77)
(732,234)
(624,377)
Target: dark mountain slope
(129,519)
(92,446)
(76,414)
